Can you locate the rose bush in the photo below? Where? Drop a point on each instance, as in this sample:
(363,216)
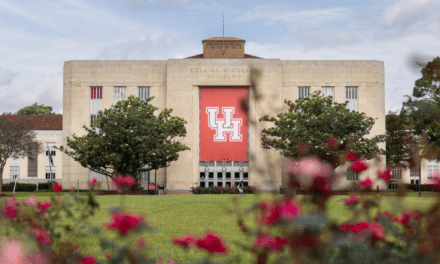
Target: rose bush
(285,231)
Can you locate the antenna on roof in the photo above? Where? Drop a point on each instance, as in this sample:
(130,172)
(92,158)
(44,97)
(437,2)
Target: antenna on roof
(223,33)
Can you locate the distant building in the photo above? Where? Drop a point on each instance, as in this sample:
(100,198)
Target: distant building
(37,168)
(206,90)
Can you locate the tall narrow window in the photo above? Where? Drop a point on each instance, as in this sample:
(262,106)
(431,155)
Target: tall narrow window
(352,176)
(432,167)
(328,91)
(144,92)
(351,95)
(15,166)
(50,154)
(119,93)
(303,92)
(33,163)
(95,102)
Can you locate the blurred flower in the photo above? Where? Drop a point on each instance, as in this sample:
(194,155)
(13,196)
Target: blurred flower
(321,186)
(57,187)
(185,241)
(93,182)
(306,169)
(88,260)
(351,156)
(270,243)
(407,216)
(124,222)
(270,214)
(359,166)
(42,236)
(124,181)
(11,208)
(333,143)
(290,209)
(41,207)
(352,200)
(107,255)
(384,174)
(212,243)
(435,183)
(366,183)
(12,252)
(30,200)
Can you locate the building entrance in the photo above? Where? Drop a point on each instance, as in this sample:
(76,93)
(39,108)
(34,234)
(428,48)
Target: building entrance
(223,173)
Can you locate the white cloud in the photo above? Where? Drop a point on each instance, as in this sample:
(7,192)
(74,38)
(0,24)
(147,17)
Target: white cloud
(407,12)
(6,76)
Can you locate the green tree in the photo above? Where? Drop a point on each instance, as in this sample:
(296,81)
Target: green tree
(315,120)
(127,137)
(34,109)
(400,141)
(423,108)
(16,139)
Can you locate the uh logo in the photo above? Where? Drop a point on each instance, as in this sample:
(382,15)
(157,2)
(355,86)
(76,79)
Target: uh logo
(223,126)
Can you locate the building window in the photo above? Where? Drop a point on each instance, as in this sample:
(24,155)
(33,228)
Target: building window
(32,163)
(415,172)
(50,154)
(15,166)
(432,168)
(95,102)
(145,174)
(119,93)
(97,176)
(397,174)
(328,91)
(303,92)
(351,95)
(50,176)
(144,92)
(352,176)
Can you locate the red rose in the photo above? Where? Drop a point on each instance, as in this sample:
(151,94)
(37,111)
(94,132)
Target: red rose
(107,255)
(185,241)
(352,200)
(42,236)
(289,209)
(124,181)
(57,187)
(333,143)
(124,222)
(377,231)
(270,214)
(11,208)
(94,181)
(435,183)
(351,156)
(359,166)
(384,174)
(88,260)
(41,207)
(367,183)
(271,244)
(212,243)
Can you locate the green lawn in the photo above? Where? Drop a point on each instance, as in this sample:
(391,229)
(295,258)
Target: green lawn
(193,214)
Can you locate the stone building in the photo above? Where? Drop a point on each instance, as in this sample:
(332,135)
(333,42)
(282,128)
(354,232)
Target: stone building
(206,91)
(37,167)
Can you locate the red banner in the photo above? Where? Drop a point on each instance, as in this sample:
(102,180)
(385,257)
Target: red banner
(223,124)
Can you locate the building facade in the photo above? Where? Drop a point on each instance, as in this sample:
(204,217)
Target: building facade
(33,168)
(207,91)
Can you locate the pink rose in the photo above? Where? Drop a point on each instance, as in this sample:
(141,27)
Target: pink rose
(359,166)
(352,200)
(57,187)
(367,183)
(212,243)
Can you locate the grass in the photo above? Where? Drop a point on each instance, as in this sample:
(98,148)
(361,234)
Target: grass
(194,214)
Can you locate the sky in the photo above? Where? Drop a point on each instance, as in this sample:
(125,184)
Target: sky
(36,37)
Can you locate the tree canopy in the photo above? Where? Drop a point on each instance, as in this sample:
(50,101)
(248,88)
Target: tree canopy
(423,107)
(34,109)
(327,127)
(16,139)
(127,137)
(401,144)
